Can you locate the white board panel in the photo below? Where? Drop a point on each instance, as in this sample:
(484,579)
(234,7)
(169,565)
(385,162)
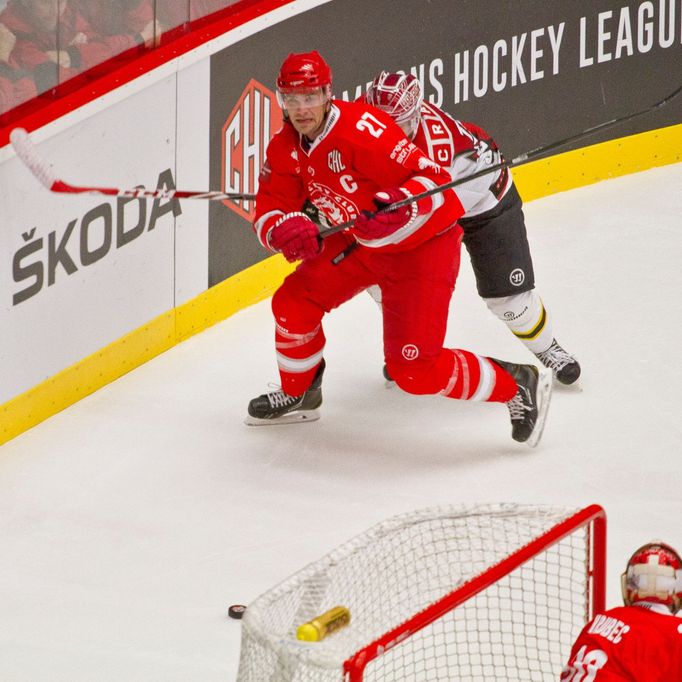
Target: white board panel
(192,174)
(80,271)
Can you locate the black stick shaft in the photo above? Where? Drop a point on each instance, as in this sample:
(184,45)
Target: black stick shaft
(516,161)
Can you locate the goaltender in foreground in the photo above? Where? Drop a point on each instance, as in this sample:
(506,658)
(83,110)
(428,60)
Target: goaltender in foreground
(641,640)
(348,159)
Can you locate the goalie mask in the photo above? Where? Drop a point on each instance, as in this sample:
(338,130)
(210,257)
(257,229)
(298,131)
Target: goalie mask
(400,96)
(304,80)
(654,573)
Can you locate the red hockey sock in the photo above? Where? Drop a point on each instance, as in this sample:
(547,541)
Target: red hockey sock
(298,357)
(475,377)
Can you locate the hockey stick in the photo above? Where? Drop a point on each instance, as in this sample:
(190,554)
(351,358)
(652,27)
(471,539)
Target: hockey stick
(516,161)
(26,151)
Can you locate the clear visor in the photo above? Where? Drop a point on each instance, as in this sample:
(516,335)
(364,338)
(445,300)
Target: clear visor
(302,99)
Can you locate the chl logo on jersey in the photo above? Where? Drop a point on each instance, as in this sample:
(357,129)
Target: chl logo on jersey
(245,136)
(336,164)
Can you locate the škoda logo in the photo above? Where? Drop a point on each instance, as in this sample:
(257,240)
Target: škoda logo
(245,135)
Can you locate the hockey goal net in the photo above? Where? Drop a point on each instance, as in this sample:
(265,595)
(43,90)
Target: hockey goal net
(478,593)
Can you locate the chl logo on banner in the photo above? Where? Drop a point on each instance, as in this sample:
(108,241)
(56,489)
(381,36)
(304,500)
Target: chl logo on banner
(256,117)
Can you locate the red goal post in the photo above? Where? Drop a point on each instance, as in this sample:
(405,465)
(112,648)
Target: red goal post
(593,518)
(459,593)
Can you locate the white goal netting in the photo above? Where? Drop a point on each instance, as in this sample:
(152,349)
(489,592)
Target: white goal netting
(520,627)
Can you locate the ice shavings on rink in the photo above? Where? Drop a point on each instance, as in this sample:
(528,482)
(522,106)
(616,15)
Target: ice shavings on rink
(132,520)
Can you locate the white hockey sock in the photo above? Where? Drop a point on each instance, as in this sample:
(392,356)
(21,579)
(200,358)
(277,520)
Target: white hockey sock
(526,317)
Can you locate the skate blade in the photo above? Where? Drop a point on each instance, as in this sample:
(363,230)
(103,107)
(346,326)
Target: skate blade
(544,396)
(291,418)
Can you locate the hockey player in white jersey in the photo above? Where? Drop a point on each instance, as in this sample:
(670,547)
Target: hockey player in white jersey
(493,224)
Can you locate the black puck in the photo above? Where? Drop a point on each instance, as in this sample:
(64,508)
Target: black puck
(236,611)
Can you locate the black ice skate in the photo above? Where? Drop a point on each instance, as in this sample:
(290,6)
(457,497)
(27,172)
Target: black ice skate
(389,381)
(279,408)
(528,408)
(565,366)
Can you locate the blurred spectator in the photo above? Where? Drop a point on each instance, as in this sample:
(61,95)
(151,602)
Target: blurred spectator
(56,32)
(202,8)
(122,17)
(172,13)
(16,86)
(43,43)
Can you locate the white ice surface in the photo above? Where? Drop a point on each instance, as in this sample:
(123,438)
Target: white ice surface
(130,521)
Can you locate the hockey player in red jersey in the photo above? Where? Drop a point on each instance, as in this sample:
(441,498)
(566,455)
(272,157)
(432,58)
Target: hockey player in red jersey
(493,222)
(350,159)
(641,641)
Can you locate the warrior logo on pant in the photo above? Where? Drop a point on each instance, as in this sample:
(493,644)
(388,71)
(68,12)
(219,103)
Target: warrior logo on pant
(410,352)
(517,277)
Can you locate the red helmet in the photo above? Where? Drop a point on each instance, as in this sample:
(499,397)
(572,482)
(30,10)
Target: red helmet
(302,71)
(399,95)
(654,573)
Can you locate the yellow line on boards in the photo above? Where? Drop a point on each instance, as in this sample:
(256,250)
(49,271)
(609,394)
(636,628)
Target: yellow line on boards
(602,161)
(132,350)
(535,180)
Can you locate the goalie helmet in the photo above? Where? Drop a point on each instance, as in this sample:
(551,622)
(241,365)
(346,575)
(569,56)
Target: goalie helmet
(400,96)
(654,573)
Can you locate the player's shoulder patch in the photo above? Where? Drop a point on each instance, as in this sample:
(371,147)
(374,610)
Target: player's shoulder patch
(425,162)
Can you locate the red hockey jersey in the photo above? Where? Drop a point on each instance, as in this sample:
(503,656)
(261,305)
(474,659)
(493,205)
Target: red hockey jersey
(360,151)
(640,643)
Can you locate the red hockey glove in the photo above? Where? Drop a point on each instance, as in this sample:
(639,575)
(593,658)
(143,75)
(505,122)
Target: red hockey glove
(296,236)
(370,227)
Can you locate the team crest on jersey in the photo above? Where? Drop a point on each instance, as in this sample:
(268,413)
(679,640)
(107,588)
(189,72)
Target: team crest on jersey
(336,208)
(245,136)
(335,162)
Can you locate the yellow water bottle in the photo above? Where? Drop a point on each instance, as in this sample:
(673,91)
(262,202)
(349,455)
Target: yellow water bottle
(318,628)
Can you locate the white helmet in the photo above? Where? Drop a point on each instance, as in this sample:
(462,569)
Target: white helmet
(654,573)
(400,96)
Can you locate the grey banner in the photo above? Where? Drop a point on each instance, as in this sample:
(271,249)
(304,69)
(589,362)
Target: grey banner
(529,71)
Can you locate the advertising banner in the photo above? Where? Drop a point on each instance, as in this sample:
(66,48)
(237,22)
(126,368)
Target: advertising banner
(80,271)
(529,71)
(90,269)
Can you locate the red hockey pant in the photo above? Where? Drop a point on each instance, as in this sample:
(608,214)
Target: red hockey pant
(416,288)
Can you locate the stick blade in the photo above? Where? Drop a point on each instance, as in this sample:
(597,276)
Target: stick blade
(26,152)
